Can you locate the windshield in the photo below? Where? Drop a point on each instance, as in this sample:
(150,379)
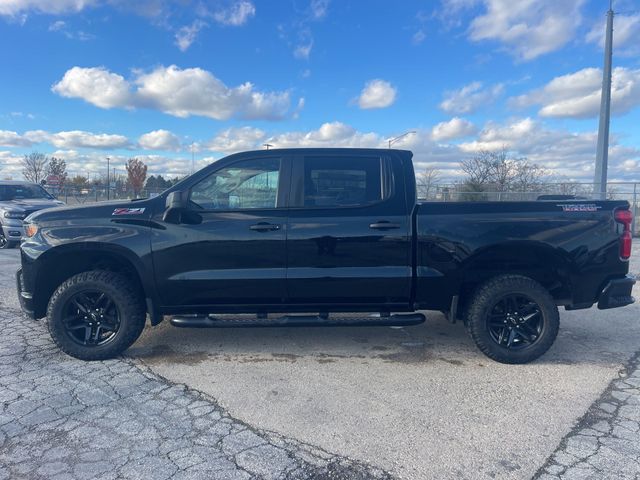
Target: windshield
(24,191)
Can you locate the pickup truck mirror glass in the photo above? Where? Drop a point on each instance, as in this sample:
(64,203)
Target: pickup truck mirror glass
(177,200)
(175,204)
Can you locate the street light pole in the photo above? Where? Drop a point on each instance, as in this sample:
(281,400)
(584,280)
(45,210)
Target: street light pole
(399,137)
(108,182)
(602,150)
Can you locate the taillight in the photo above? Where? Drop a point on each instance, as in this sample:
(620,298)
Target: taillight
(625,218)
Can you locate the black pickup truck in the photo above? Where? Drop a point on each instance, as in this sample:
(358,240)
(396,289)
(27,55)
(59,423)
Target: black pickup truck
(326,231)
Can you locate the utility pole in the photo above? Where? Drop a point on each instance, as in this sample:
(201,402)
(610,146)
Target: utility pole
(267,145)
(108,183)
(602,151)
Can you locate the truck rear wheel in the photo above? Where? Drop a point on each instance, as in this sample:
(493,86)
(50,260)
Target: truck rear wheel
(96,315)
(512,319)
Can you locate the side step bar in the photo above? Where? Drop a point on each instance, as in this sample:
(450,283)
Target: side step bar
(396,320)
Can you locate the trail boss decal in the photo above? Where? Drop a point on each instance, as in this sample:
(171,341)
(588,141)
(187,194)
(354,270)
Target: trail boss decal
(128,211)
(579,207)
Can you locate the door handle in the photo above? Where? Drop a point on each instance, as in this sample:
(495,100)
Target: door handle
(384,225)
(264,227)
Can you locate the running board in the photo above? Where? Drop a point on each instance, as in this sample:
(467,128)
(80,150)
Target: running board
(397,320)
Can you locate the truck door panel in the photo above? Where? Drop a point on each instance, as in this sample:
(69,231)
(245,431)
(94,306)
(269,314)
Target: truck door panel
(348,235)
(232,251)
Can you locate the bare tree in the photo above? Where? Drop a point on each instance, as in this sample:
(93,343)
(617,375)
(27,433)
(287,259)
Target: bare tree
(34,167)
(501,172)
(477,168)
(427,181)
(136,175)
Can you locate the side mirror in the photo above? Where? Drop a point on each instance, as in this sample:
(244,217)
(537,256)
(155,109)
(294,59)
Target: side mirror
(175,204)
(176,200)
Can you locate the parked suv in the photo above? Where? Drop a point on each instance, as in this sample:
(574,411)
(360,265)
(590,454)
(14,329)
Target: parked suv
(17,201)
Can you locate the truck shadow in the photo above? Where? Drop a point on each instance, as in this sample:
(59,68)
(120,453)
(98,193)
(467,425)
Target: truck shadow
(585,337)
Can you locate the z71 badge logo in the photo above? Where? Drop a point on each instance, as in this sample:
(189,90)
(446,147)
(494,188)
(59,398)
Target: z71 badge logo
(128,211)
(579,207)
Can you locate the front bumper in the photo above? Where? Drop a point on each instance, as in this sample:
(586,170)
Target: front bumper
(617,293)
(13,231)
(25,298)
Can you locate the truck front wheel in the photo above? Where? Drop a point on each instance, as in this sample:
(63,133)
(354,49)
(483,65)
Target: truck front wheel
(512,319)
(96,315)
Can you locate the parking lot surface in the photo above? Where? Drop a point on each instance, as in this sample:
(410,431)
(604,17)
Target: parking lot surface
(417,402)
(61,418)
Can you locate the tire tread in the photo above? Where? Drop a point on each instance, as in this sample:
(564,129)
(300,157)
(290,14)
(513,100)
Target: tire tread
(131,306)
(482,298)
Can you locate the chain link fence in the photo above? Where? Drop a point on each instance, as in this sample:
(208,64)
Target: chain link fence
(72,195)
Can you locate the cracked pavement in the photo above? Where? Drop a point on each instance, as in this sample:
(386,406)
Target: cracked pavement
(606,441)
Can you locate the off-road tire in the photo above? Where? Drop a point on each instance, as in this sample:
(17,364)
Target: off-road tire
(128,299)
(483,300)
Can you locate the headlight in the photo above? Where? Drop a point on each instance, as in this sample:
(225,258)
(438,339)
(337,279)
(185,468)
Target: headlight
(18,215)
(30,229)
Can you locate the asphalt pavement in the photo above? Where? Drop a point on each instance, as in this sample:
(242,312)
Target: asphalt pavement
(417,402)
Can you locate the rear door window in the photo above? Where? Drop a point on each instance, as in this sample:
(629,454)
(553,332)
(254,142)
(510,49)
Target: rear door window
(345,181)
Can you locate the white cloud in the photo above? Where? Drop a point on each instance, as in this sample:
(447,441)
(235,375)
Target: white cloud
(57,26)
(470,98)
(319,8)
(15,7)
(178,92)
(12,139)
(95,85)
(237,14)
(577,95)
(453,129)
(564,153)
(303,51)
(625,35)
(234,140)
(66,139)
(186,35)
(10,166)
(159,140)
(527,28)
(418,37)
(81,139)
(377,94)
(331,134)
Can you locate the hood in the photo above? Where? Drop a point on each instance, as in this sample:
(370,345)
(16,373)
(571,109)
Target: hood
(29,205)
(93,210)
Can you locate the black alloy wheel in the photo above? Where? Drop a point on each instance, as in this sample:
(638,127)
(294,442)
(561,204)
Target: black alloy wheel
(512,319)
(96,315)
(515,322)
(91,318)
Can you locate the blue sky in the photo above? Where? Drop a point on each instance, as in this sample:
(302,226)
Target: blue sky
(86,79)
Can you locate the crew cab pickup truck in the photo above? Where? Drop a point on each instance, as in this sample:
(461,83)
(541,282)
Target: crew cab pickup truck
(272,235)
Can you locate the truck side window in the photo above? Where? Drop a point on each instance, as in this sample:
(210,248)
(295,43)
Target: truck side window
(345,181)
(246,184)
